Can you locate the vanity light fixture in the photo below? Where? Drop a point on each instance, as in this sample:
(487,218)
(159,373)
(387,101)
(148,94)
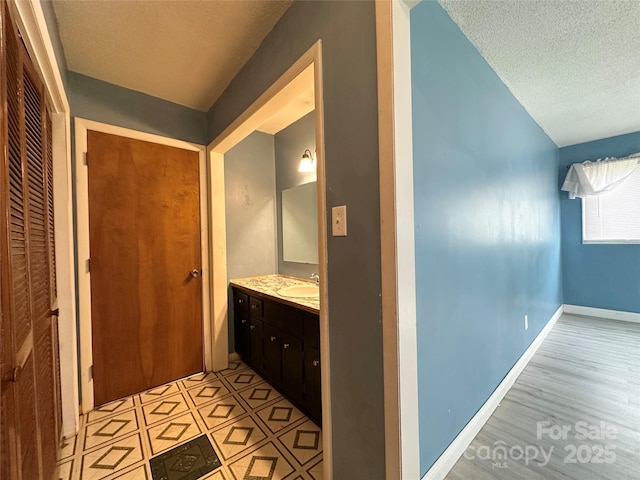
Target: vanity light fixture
(307,162)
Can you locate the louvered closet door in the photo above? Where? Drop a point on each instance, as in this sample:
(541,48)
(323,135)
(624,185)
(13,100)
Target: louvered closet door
(11,232)
(23,386)
(53,289)
(30,406)
(36,165)
(12,240)
(6,344)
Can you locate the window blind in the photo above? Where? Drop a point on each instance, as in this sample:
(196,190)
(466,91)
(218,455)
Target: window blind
(613,217)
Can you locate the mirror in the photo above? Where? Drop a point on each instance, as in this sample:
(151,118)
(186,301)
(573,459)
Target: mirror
(299,224)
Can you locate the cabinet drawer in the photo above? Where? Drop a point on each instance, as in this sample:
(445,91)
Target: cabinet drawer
(284,317)
(240,300)
(256,307)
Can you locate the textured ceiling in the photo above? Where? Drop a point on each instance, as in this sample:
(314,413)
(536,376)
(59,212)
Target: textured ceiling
(184,51)
(574,65)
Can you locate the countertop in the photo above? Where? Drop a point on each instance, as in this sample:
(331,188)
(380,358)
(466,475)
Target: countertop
(270,284)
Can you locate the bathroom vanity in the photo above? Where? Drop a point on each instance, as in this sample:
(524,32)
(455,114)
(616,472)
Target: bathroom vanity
(277,333)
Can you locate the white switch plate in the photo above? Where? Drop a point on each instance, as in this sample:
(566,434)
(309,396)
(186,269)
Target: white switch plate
(339,221)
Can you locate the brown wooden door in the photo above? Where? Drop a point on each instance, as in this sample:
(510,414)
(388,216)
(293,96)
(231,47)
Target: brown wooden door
(30,408)
(144,229)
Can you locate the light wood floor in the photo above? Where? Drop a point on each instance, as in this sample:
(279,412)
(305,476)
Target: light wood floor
(585,376)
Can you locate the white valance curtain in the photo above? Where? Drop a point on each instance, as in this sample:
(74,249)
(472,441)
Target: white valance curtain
(594,178)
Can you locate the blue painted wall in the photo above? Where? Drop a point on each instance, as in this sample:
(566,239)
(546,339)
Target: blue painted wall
(487,223)
(104,102)
(600,276)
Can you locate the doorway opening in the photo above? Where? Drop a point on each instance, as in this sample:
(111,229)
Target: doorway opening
(285,101)
(82,129)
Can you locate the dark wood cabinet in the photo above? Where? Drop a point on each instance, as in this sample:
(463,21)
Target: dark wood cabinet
(282,343)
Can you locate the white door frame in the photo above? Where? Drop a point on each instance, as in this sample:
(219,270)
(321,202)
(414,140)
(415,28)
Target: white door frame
(307,68)
(399,340)
(82,215)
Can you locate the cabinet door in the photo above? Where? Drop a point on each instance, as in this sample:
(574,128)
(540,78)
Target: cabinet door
(311,329)
(257,346)
(240,300)
(313,397)
(242,338)
(272,355)
(242,335)
(292,370)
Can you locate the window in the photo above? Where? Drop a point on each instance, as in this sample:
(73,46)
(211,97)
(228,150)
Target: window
(613,217)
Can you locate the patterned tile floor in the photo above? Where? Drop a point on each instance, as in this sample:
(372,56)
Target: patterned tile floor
(255,431)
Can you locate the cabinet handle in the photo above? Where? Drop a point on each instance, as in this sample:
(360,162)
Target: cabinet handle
(316,363)
(240,300)
(254,307)
(252,327)
(273,339)
(243,321)
(286,345)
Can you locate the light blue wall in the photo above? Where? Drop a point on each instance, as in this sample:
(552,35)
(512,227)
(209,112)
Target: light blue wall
(601,276)
(290,143)
(250,207)
(104,102)
(487,228)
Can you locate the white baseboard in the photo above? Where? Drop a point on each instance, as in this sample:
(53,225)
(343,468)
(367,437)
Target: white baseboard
(602,313)
(448,459)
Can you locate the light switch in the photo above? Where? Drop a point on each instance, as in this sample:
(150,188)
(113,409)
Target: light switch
(339,221)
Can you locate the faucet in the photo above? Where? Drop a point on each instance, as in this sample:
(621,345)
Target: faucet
(316,277)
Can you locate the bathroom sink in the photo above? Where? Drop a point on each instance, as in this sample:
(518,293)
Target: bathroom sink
(300,291)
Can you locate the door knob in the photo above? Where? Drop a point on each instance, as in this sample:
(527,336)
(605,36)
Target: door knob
(194,273)
(12,376)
